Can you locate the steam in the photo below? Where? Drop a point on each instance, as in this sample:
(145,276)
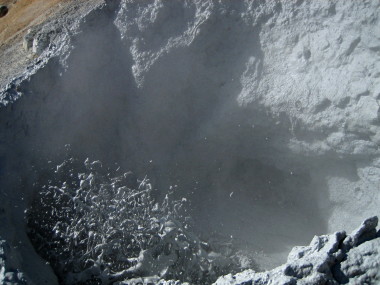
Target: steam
(183,128)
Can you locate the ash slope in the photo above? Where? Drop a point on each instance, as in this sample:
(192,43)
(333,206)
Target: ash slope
(291,87)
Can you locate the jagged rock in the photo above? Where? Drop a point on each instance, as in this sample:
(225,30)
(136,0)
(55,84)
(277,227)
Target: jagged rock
(362,264)
(8,274)
(330,259)
(149,281)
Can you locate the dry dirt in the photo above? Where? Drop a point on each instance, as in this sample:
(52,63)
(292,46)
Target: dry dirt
(23,15)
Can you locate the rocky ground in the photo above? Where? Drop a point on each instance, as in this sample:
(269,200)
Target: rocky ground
(339,258)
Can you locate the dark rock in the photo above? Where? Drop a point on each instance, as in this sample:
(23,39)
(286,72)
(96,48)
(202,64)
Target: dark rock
(3,11)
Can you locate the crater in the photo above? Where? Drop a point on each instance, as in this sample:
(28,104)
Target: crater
(182,127)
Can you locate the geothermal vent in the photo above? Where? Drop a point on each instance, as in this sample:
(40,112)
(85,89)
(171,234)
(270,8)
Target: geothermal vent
(149,141)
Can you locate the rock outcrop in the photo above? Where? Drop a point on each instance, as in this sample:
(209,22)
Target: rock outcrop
(330,259)
(8,273)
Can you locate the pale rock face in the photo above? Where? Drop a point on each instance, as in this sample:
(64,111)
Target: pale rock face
(317,63)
